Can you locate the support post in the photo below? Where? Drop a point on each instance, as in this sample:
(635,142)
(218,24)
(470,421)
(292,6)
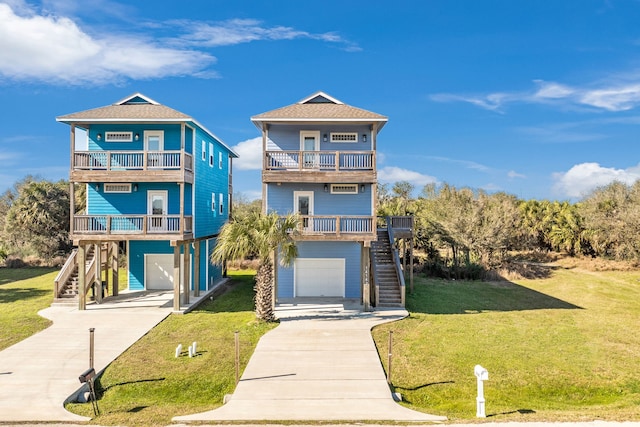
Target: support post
(115,282)
(196,268)
(91,347)
(411,264)
(186,273)
(176,278)
(390,357)
(82,276)
(98,279)
(366,287)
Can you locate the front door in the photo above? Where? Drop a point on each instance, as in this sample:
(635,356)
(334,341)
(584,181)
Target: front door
(310,145)
(157,211)
(154,145)
(303,205)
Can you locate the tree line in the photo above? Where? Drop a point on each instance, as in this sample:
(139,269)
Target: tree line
(455,227)
(466,230)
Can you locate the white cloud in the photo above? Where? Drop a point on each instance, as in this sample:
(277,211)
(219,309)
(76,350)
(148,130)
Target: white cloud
(236,31)
(465,163)
(250,154)
(513,174)
(610,96)
(585,177)
(394,174)
(55,49)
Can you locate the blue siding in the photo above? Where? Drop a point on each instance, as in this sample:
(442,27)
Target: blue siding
(137,250)
(210,180)
(287,137)
(350,251)
(171,136)
(280,199)
(101,203)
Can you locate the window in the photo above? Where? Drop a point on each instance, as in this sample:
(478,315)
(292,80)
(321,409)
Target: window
(344,188)
(344,137)
(117,188)
(211,154)
(204,150)
(118,136)
(220,160)
(221,204)
(213,202)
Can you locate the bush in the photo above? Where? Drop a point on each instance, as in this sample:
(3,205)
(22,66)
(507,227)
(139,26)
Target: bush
(14,262)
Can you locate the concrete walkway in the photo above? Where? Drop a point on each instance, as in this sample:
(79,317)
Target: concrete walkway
(39,373)
(320,364)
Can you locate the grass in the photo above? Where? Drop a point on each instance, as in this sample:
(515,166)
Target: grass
(147,385)
(561,348)
(23,292)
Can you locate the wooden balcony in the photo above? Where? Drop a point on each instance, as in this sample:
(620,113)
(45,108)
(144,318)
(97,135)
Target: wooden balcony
(337,227)
(131,227)
(319,166)
(132,166)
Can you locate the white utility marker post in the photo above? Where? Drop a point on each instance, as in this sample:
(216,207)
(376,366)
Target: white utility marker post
(482,375)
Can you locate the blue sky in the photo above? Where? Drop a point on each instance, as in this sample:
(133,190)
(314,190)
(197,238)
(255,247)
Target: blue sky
(540,99)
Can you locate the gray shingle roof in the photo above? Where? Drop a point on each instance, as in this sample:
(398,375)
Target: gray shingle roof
(310,109)
(123,110)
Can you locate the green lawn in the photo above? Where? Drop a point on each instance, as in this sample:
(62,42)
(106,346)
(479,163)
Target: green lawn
(23,292)
(147,385)
(565,347)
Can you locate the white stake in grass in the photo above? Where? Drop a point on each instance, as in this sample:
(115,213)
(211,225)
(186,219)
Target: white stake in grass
(178,350)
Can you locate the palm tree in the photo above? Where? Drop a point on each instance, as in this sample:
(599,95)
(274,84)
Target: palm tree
(263,236)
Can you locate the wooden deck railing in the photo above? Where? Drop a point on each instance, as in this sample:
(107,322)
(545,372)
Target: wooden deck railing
(336,224)
(132,224)
(320,160)
(131,160)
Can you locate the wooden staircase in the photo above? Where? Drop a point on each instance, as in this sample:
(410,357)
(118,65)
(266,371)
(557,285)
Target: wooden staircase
(66,288)
(386,273)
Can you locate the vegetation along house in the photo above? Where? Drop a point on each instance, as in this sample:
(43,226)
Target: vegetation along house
(157,183)
(320,161)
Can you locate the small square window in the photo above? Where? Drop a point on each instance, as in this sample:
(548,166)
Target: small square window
(344,137)
(344,188)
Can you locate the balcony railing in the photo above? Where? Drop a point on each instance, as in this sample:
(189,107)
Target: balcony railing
(131,160)
(320,160)
(336,225)
(132,224)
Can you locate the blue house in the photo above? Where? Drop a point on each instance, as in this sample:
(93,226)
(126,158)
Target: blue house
(319,160)
(158,188)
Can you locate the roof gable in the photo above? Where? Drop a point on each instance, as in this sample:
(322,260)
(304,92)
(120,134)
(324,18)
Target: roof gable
(320,98)
(136,99)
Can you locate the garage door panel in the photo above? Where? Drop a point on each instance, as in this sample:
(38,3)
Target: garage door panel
(316,277)
(159,271)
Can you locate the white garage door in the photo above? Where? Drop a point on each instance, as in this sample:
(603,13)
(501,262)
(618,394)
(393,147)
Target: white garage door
(159,271)
(319,277)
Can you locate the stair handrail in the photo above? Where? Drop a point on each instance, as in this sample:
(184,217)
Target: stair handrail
(65,272)
(89,276)
(396,260)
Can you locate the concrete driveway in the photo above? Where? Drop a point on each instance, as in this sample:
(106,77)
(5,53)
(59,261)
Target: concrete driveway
(320,364)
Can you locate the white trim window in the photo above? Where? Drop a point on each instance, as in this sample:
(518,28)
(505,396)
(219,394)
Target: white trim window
(204,150)
(221,204)
(118,136)
(344,188)
(344,137)
(220,160)
(117,188)
(211,154)
(213,202)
